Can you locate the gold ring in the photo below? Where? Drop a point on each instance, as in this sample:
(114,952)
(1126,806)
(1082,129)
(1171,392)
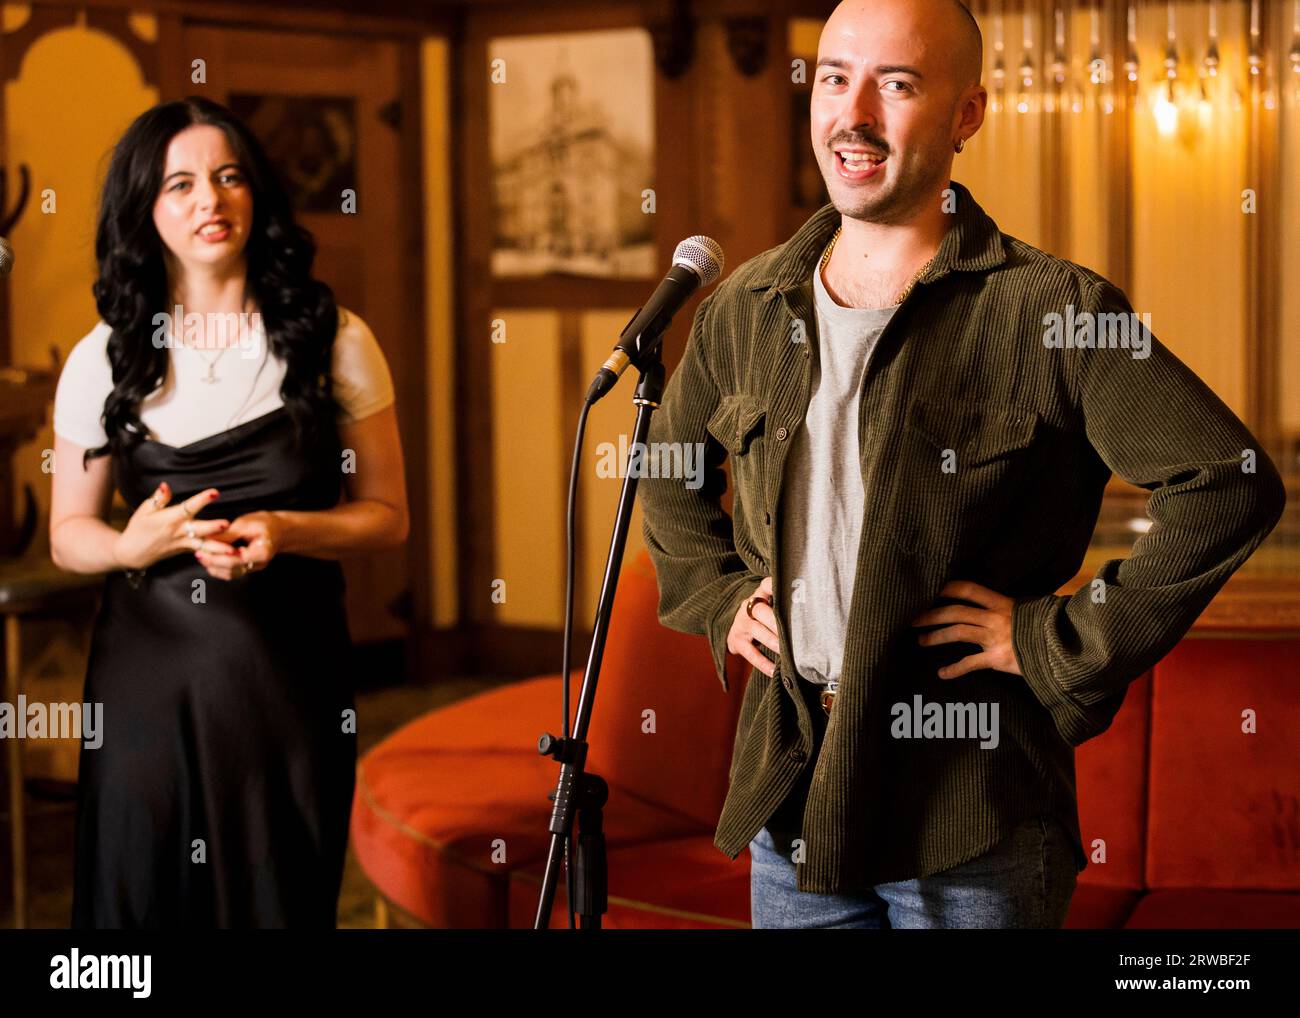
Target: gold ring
(749,605)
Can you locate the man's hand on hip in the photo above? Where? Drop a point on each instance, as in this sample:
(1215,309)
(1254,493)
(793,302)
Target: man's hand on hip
(988,625)
(755,622)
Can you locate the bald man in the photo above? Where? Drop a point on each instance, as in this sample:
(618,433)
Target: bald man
(919,447)
(897,92)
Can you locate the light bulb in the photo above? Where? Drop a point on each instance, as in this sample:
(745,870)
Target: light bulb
(1166,110)
(1026,85)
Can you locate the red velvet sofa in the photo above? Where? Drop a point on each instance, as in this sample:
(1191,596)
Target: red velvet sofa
(1198,823)
(1198,819)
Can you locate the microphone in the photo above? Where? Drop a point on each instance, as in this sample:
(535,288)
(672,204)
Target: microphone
(6,257)
(697,262)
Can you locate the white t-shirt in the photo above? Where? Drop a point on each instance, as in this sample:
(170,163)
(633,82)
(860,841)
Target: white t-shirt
(185,408)
(822,528)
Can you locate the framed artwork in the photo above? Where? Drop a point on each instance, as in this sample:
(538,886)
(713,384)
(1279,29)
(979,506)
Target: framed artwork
(571,123)
(310,139)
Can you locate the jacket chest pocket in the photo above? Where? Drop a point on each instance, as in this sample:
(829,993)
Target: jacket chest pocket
(959,467)
(738,425)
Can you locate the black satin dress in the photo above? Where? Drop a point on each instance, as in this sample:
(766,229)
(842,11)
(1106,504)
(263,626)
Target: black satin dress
(221,793)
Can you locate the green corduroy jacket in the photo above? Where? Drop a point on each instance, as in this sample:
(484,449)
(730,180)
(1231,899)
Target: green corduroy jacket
(985,447)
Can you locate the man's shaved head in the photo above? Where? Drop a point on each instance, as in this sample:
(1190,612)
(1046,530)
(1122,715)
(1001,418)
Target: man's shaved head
(971,52)
(949,24)
(897,91)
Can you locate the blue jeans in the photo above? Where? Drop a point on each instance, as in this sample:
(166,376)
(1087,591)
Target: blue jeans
(1026,882)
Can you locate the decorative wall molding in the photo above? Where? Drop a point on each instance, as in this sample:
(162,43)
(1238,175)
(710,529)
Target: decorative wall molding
(674,40)
(112,22)
(14,45)
(117,24)
(747,42)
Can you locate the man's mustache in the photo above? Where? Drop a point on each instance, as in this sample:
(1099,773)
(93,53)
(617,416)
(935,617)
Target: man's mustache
(878,145)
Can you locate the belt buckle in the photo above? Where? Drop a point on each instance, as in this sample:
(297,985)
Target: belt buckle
(827,696)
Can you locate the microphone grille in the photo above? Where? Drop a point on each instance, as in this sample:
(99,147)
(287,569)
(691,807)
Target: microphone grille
(704,255)
(6,257)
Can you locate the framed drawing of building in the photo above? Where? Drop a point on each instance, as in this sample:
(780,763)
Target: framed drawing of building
(572,151)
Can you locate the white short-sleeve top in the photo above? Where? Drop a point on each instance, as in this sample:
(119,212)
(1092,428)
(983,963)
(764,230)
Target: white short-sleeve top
(185,408)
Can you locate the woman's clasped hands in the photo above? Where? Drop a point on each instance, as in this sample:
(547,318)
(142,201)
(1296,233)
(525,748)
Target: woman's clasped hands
(157,531)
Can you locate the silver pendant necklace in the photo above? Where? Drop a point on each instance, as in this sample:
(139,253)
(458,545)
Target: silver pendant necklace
(210,376)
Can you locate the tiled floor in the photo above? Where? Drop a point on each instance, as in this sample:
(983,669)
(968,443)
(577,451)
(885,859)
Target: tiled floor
(50,819)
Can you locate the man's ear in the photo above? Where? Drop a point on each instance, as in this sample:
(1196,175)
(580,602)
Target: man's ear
(971,108)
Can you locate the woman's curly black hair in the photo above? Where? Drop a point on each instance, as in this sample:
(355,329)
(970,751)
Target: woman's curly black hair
(298,312)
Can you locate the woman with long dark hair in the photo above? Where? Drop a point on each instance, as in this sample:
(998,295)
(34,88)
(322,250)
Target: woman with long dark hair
(232,403)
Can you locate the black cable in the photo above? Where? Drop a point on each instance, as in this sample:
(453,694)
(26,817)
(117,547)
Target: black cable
(569,884)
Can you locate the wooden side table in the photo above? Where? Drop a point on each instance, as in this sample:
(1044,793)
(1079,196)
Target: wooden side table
(30,586)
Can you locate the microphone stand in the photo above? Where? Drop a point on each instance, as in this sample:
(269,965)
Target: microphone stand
(579,792)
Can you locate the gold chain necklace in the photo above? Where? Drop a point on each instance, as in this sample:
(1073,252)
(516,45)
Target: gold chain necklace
(826,257)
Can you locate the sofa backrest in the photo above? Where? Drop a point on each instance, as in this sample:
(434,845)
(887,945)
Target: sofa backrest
(1111,783)
(1225,799)
(663,726)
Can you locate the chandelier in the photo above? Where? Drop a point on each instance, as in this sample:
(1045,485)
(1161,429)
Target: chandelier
(1085,55)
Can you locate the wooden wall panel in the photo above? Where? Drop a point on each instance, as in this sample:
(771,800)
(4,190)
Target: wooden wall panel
(609,431)
(439,328)
(1288,295)
(527,453)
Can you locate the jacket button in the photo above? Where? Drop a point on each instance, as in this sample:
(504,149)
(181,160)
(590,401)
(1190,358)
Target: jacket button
(787,682)
(781,433)
(797,755)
